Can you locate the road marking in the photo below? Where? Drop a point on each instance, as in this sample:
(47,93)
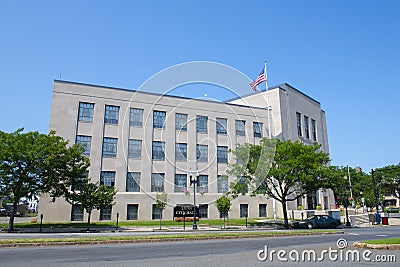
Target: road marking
(381,235)
(353,234)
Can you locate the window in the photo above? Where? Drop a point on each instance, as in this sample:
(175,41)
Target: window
(181,122)
(257,129)
(240,128)
(262,210)
(202,153)
(159,119)
(109,147)
(136,117)
(244,208)
(222,154)
(201,124)
(222,181)
(76,213)
(314,130)
(221,125)
(242,186)
(158,150)
(203,183)
(107,178)
(180,182)
(203,211)
(298,120)
(157,182)
(306,128)
(134,149)
(85,112)
(181,151)
(111,115)
(105,213)
(77,182)
(133,182)
(132,211)
(156,213)
(84,141)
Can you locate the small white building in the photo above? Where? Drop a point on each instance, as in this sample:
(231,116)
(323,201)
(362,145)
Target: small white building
(145,143)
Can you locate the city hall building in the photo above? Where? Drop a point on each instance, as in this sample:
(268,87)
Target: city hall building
(145,143)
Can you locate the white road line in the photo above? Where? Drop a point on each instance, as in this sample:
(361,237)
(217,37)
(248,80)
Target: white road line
(353,234)
(381,235)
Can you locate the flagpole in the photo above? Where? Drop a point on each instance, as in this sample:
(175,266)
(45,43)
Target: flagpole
(265,74)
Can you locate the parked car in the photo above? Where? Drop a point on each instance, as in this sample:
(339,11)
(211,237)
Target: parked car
(318,221)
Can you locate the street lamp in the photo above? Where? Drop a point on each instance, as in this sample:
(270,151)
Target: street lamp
(346,202)
(362,201)
(194,180)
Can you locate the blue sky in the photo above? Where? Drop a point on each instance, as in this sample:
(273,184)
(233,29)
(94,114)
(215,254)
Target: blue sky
(343,53)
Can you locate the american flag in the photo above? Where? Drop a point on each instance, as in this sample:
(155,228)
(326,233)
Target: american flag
(261,78)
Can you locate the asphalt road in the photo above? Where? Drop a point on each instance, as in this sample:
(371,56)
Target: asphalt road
(237,252)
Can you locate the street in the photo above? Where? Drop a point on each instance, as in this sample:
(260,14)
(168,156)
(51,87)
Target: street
(236,252)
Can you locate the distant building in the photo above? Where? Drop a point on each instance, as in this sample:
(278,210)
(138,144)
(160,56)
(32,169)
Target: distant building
(144,143)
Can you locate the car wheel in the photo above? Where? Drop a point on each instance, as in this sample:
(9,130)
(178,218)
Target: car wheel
(309,225)
(333,225)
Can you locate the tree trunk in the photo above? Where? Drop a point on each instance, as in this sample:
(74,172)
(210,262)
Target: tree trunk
(224,219)
(88,220)
(285,216)
(12,215)
(160,219)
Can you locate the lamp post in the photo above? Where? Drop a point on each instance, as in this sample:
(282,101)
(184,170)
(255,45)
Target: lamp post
(362,200)
(194,180)
(346,202)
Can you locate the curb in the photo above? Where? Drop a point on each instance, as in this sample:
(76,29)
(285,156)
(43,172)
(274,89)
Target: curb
(153,240)
(377,246)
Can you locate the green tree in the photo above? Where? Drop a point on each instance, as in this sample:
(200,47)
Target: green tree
(32,163)
(223,204)
(284,171)
(389,179)
(90,196)
(161,203)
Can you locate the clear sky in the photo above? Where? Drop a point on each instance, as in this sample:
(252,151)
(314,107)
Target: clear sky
(344,53)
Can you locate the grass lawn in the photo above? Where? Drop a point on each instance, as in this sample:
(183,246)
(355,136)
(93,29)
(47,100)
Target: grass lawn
(152,238)
(153,223)
(384,241)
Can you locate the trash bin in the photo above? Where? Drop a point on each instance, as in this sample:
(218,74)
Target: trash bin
(385,221)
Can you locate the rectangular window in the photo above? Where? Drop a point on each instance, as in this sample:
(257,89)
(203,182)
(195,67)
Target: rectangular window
(136,117)
(203,211)
(134,149)
(240,128)
(85,142)
(78,182)
(298,121)
(105,213)
(157,182)
(133,182)
(76,213)
(156,213)
(244,210)
(180,182)
(222,181)
(111,115)
(202,153)
(222,154)
(181,122)
(158,150)
(221,125)
(203,184)
(306,128)
(109,147)
(181,152)
(159,119)
(107,178)
(201,124)
(85,112)
(132,211)
(257,129)
(242,186)
(262,210)
(314,130)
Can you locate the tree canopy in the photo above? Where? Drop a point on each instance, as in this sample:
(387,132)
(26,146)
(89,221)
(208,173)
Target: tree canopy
(32,163)
(281,170)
